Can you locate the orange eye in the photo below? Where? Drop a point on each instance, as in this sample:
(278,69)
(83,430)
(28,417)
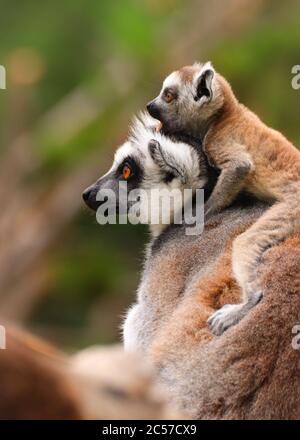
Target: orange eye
(169,97)
(126,172)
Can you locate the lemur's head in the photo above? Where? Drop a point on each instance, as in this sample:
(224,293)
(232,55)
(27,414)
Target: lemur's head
(189,97)
(149,160)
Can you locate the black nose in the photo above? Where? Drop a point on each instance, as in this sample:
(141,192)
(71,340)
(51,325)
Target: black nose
(153,109)
(149,106)
(86,194)
(89,196)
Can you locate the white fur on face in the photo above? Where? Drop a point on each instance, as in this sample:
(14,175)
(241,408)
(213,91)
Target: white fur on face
(142,132)
(172,80)
(137,147)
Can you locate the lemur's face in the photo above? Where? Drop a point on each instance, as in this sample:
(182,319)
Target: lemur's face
(148,161)
(188,97)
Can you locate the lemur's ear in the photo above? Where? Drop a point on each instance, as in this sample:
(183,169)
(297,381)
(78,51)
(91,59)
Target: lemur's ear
(204,84)
(166,161)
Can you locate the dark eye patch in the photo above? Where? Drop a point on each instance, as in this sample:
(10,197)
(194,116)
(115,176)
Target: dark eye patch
(136,168)
(172,90)
(169,177)
(129,161)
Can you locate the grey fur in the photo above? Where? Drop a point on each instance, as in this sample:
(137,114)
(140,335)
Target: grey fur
(252,370)
(159,294)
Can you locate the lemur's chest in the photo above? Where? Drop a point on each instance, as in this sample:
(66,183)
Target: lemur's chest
(158,295)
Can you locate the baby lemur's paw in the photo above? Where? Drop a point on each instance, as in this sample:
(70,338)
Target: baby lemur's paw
(227,316)
(231,314)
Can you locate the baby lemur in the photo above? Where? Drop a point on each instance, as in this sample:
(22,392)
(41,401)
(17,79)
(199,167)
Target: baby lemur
(197,101)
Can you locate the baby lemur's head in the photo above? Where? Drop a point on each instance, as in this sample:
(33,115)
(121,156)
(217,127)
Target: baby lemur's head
(190,97)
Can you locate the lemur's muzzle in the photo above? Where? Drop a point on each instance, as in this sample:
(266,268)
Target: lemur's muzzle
(108,185)
(89,197)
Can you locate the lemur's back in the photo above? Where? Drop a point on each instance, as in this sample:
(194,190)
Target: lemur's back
(176,261)
(213,377)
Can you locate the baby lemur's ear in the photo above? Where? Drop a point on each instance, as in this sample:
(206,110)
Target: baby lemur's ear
(166,161)
(204,84)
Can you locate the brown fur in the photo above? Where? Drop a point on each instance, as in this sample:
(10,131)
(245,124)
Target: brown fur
(250,372)
(39,382)
(187,73)
(32,381)
(276,162)
(188,324)
(260,160)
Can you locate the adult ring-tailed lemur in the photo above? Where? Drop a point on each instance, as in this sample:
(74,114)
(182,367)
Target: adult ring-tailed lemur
(185,279)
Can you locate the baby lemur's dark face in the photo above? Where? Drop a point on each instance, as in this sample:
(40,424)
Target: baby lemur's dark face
(189,97)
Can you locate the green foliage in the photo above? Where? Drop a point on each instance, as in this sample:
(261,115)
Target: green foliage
(113,54)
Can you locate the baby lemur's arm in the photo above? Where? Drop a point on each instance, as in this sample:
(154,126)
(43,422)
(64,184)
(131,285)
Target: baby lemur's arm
(234,170)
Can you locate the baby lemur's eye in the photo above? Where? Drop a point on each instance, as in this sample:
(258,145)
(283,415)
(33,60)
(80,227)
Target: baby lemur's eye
(126,172)
(168,97)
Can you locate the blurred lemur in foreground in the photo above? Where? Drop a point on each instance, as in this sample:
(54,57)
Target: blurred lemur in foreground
(252,157)
(185,279)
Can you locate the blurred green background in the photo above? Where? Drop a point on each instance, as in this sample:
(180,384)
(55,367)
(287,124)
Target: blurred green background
(76,73)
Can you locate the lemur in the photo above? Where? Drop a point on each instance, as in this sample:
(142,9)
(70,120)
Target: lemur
(150,160)
(186,278)
(199,102)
